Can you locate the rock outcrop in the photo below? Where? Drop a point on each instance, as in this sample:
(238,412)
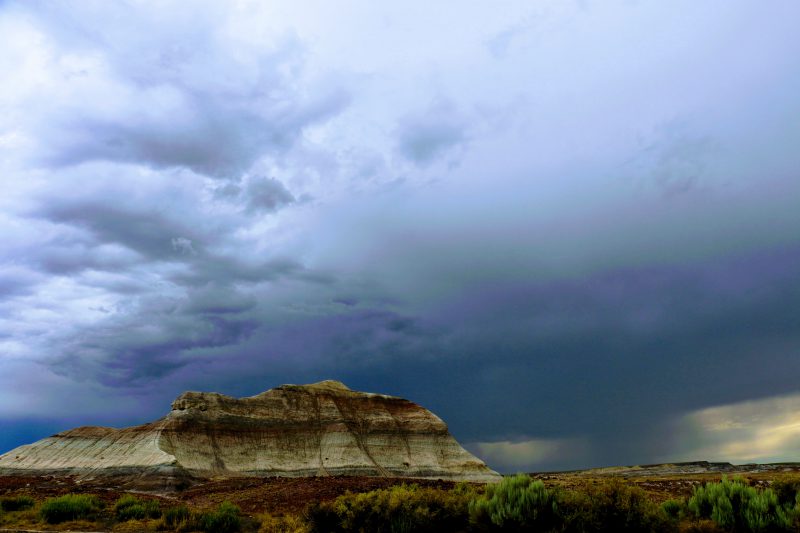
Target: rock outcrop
(321,429)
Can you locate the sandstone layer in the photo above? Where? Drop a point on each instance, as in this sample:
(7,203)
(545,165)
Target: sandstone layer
(321,429)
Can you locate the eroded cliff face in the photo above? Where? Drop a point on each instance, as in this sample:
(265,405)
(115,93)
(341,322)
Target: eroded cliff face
(292,430)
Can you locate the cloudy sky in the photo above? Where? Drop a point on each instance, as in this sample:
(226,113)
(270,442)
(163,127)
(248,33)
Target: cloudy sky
(571,229)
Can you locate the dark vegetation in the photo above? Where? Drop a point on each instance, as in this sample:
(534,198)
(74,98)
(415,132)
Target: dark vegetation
(397,509)
(226,518)
(128,513)
(176,517)
(735,506)
(70,507)
(17,503)
(518,503)
(129,507)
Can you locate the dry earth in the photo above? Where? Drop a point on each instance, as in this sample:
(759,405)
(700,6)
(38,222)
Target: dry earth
(292,494)
(253,494)
(674,480)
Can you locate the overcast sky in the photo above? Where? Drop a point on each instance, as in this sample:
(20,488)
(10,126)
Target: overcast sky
(571,229)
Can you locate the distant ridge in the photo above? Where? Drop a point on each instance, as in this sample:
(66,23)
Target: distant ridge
(688,467)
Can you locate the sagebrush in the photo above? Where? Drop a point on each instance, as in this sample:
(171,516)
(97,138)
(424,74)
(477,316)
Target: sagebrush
(399,509)
(735,506)
(70,507)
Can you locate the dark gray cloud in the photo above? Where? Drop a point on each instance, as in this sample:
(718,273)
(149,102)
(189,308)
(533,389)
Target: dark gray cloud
(16,281)
(65,257)
(171,99)
(216,141)
(211,146)
(613,358)
(231,269)
(204,299)
(674,159)
(429,135)
(346,300)
(267,194)
(218,300)
(157,337)
(150,233)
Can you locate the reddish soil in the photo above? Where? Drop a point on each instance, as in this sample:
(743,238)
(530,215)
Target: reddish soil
(252,495)
(281,495)
(659,488)
(292,495)
(42,487)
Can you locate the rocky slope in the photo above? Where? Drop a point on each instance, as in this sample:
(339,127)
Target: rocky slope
(321,429)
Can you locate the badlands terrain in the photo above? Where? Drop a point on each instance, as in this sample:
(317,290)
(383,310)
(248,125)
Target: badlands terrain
(322,429)
(292,494)
(285,500)
(281,454)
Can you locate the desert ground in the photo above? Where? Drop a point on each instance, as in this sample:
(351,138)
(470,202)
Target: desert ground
(291,496)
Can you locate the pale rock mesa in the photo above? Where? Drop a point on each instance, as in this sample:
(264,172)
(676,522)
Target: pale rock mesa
(322,429)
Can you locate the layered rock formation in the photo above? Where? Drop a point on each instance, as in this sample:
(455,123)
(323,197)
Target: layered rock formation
(293,430)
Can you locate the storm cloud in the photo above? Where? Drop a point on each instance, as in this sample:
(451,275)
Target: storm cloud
(571,230)
(428,135)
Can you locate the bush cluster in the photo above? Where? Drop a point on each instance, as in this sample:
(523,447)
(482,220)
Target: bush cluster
(399,509)
(616,506)
(517,503)
(787,491)
(520,503)
(70,507)
(282,524)
(129,507)
(225,519)
(176,517)
(16,503)
(735,506)
(674,509)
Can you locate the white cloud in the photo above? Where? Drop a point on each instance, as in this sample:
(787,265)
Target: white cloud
(758,431)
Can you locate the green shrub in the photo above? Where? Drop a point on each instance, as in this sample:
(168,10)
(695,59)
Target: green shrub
(612,506)
(735,506)
(399,509)
(132,512)
(152,508)
(174,516)
(323,517)
(129,507)
(674,508)
(225,519)
(282,524)
(516,503)
(70,507)
(787,491)
(16,503)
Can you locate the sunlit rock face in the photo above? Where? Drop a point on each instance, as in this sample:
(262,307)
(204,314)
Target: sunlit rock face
(293,430)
